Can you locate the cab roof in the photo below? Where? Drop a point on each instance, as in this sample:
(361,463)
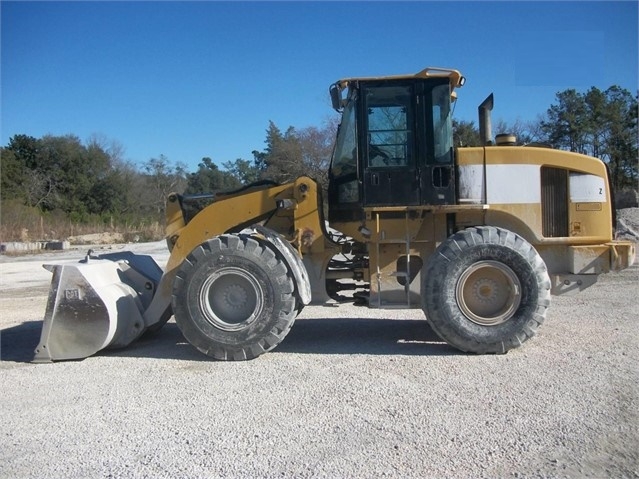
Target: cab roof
(456,78)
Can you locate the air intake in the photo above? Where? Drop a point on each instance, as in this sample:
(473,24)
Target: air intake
(554,202)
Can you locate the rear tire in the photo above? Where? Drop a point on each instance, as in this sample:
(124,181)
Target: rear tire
(233,298)
(485,290)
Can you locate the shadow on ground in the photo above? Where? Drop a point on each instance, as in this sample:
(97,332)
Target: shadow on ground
(18,343)
(308,336)
(363,336)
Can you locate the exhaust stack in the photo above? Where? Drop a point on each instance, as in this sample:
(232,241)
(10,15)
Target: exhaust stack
(485,127)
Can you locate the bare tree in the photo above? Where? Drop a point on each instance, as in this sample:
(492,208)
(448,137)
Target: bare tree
(39,189)
(162,178)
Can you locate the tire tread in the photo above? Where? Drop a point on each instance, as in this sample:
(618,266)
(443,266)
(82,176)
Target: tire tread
(277,272)
(437,300)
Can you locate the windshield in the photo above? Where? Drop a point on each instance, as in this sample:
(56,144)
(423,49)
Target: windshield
(345,155)
(442,124)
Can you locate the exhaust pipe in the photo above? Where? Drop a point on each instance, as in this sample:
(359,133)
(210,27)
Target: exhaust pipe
(485,127)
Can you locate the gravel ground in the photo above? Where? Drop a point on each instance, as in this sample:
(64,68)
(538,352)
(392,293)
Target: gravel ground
(350,393)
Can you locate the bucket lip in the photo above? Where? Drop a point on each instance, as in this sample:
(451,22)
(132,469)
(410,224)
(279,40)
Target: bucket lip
(93,305)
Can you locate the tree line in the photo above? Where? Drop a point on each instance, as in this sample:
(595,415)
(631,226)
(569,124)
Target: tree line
(91,181)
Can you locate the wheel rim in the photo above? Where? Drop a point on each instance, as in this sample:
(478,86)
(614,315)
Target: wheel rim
(488,293)
(231,299)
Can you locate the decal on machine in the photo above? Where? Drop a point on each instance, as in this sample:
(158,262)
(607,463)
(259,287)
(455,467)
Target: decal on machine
(586,188)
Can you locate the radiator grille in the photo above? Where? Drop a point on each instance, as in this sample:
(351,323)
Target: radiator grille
(554,202)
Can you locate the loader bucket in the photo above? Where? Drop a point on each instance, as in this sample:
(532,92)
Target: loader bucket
(96,304)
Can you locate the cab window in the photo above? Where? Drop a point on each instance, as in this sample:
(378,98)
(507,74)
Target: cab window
(442,124)
(345,154)
(389,136)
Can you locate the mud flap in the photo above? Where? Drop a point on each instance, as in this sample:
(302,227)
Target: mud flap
(96,304)
(290,256)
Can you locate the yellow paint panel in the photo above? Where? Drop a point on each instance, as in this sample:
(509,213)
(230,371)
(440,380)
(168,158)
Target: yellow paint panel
(588,206)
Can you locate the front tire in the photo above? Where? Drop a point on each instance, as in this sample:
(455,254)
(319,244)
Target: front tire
(233,298)
(485,290)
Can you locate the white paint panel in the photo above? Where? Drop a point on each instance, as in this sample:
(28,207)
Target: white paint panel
(514,184)
(586,188)
(471,184)
(511,184)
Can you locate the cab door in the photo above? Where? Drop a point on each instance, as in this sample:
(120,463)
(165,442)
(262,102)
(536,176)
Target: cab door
(437,168)
(388,144)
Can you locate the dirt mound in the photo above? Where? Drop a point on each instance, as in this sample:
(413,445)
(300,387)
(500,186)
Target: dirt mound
(97,238)
(628,224)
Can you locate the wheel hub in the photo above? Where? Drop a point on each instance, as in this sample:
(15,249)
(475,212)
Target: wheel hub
(231,299)
(488,293)
(235,296)
(485,290)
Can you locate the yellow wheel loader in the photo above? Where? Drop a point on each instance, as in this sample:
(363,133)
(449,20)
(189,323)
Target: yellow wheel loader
(479,238)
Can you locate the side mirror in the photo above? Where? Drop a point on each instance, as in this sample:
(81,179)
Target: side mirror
(336,97)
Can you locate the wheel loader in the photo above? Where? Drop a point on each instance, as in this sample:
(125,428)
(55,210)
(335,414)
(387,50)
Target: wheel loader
(479,238)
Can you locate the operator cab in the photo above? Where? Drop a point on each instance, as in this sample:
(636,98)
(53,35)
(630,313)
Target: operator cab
(395,144)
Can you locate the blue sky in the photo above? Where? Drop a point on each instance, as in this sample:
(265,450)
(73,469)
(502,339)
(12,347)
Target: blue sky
(195,79)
